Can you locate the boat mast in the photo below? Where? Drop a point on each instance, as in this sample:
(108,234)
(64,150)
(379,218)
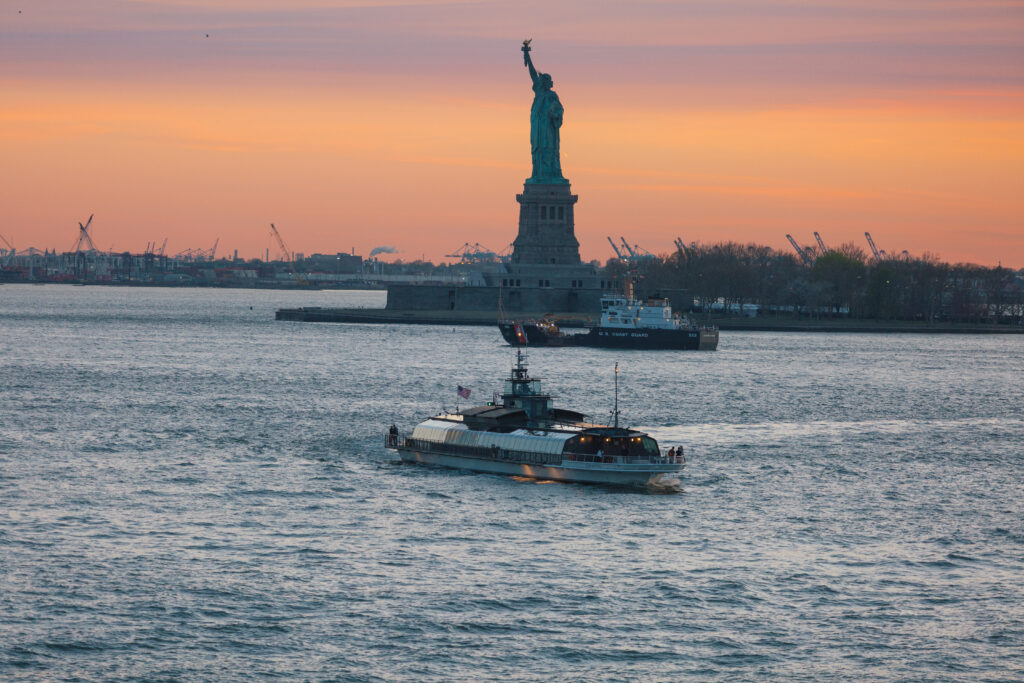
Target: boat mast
(616,411)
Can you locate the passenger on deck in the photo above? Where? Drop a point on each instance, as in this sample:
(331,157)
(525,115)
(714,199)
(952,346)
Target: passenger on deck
(671,453)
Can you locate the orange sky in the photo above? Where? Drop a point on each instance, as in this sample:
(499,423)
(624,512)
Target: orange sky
(358,124)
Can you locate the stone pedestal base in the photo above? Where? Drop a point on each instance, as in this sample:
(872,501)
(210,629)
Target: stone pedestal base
(546,226)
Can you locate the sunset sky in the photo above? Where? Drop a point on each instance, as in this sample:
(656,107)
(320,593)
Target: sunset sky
(353,124)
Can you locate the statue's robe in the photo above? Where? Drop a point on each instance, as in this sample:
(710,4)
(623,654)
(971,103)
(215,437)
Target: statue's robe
(545,121)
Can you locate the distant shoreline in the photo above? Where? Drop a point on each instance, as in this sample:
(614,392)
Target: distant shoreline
(290,286)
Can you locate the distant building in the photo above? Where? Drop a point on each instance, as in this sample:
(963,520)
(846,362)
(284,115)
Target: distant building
(332,263)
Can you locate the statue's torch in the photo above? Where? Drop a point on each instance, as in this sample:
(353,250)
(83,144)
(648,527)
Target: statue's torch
(526,50)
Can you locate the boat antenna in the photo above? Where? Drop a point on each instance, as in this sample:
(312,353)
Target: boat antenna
(616,411)
(520,357)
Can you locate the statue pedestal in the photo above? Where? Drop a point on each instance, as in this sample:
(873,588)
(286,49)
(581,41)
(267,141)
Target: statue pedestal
(546,226)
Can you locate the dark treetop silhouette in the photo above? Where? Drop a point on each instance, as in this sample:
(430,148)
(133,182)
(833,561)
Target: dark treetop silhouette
(545,120)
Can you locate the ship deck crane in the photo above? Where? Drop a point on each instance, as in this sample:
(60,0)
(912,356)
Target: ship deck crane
(287,255)
(800,252)
(874,249)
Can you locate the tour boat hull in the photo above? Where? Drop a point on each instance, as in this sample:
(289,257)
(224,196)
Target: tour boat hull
(613,474)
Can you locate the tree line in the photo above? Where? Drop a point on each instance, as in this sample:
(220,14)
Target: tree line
(841,282)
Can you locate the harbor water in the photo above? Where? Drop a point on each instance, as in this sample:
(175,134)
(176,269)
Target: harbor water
(192,490)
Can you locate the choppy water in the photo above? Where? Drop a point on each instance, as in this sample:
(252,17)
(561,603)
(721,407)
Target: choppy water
(192,490)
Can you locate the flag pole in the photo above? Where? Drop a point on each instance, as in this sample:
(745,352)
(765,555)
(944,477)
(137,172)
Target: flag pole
(616,395)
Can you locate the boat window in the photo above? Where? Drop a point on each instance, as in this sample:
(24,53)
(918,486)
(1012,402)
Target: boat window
(590,444)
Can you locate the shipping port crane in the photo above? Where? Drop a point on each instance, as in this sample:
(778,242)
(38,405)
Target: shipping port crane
(681,246)
(618,254)
(10,250)
(875,250)
(625,245)
(636,252)
(821,245)
(288,256)
(474,253)
(800,252)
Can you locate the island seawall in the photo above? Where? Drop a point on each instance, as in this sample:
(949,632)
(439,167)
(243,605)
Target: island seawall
(572,319)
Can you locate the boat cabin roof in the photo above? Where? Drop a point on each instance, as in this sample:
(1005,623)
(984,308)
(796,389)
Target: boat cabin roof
(500,418)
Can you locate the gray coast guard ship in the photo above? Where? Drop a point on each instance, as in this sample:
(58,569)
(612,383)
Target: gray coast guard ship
(525,435)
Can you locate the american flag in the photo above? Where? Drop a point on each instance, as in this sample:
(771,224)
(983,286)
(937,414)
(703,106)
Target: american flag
(463,392)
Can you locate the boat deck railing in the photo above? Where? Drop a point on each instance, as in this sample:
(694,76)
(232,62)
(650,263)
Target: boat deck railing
(398,441)
(644,459)
(395,440)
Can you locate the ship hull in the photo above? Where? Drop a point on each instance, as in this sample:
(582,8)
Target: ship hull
(701,339)
(534,333)
(638,475)
(684,339)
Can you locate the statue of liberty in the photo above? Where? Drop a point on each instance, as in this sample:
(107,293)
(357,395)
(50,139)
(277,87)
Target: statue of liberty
(545,120)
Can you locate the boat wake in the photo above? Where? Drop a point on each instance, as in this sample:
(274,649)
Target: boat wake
(665,483)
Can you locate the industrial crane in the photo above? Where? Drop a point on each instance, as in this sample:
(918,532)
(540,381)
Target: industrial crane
(625,245)
(631,256)
(618,254)
(83,237)
(681,246)
(280,243)
(636,252)
(474,253)
(10,249)
(821,245)
(800,252)
(874,249)
(288,256)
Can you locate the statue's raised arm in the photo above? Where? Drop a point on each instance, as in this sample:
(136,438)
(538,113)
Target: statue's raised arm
(527,61)
(545,120)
